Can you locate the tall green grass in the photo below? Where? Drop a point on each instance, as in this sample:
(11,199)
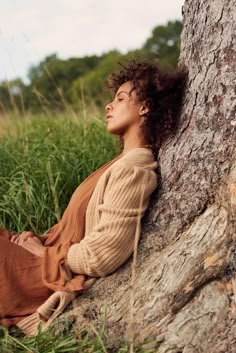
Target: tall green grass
(42,161)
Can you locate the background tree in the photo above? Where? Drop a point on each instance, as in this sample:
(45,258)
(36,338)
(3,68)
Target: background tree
(164,43)
(185,287)
(11,96)
(92,82)
(50,81)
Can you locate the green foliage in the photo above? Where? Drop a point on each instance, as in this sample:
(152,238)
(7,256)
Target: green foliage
(58,85)
(44,342)
(50,81)
(42,163)
(11,96)
(93,82)
(164,43)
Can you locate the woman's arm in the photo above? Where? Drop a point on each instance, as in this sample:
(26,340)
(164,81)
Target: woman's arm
(112,240)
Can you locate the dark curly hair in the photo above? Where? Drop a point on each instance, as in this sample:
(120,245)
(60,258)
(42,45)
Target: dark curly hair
(161,89)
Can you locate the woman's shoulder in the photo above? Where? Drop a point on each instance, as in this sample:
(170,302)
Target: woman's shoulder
(136,167)
(137,157)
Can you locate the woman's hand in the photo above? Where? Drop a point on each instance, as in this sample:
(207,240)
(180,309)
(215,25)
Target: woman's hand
(21,238)
(30,241)
(34,245)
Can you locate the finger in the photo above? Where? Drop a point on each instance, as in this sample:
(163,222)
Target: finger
(25,235)
(22,235)
(18,240)
(29,234)
(15,239)
(37,240)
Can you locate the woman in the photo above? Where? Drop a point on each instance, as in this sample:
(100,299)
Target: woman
(96,235)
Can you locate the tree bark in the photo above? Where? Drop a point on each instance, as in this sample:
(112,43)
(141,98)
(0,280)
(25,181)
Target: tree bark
(185,287)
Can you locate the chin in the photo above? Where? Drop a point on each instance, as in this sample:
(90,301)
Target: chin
(115,131)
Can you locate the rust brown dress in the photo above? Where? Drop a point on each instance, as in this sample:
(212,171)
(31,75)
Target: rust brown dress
(27,280)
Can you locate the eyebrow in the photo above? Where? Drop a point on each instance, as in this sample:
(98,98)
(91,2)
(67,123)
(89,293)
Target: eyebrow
(122,92)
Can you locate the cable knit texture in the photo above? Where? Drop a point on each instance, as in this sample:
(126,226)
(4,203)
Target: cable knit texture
(113,213)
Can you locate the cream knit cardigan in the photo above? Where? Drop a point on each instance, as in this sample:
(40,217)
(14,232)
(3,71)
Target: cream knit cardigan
(113,217)
(112,212)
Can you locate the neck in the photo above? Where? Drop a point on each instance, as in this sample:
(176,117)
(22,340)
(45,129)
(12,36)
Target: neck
(135,141)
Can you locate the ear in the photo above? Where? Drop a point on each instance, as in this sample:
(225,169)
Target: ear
(143,110)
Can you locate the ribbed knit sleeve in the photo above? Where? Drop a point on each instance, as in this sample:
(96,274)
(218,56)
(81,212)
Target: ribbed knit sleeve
(112,239)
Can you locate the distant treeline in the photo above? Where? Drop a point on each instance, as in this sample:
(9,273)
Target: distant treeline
(56,84)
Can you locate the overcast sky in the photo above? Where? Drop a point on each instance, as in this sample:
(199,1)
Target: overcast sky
(30,30)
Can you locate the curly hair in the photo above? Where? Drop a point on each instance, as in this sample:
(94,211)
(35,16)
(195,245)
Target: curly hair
(162,91)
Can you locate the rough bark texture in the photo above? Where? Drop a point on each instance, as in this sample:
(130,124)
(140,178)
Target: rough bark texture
(185,288)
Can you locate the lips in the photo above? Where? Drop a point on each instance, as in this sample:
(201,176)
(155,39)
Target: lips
(108,117)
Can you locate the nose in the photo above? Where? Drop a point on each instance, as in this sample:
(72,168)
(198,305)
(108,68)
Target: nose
(108,107)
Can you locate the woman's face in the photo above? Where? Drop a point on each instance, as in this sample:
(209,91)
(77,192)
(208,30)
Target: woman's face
(123,113)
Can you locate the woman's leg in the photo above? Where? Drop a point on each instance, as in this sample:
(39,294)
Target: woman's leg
(22,290)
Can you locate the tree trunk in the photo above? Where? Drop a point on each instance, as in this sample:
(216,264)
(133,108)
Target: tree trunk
(185,286)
